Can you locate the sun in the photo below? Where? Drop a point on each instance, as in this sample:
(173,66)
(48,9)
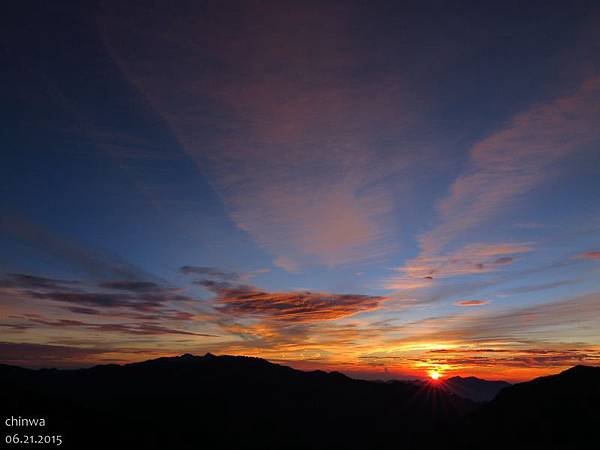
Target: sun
(434,375)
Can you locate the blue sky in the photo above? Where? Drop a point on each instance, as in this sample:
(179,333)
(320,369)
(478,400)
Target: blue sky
(349,182)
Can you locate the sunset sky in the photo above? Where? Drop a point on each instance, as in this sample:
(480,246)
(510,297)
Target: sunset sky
(379,188)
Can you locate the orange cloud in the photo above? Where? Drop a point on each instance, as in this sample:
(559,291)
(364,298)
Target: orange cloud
(236,299)
(594,255)
(304,329)
(572,318)
(471,302)
(299,307)
(516,363)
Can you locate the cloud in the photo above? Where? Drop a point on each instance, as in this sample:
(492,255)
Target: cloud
(210,272)
(538,287)
(130,307)
(99,265)
(305,328)
(133,286)
(593,255)
(83,310)
(38,355)
(301,307)
(237,299)
(294,148)
(287,264)
(522,342)
(136,294)
(503,260)
(144,302)
(20,280)
(140,308)
(43,355)
(560,356)
(16,326)
(475,342)
(469,303)
(575,318)
(501,167)
(135,328)
(472,259)
(516,160)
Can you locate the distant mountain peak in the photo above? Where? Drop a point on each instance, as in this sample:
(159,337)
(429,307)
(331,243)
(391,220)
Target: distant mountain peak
(473,388)
(581,369)
(473,378)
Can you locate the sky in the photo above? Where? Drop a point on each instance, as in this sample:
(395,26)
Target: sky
(377,188)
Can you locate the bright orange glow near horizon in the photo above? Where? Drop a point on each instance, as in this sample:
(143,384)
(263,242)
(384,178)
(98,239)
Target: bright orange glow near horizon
(434,375)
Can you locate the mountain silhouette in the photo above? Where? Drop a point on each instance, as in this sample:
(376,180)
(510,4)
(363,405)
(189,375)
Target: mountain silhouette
(552,412)
(227,402)
(474,388)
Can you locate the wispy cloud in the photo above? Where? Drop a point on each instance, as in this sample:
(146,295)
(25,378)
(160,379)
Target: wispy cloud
(97,264)
(238,316)
(469,303)
(515,160)
(307,329)
(561,355)
(132,286)
(27,281)
(295,158)
(294,306)
(242,300)
(472,259)
(476,342)
(593,255)
(572,318)
(502,167)
(522,342)
(40,355)
(538,287)
(55,355)
(133,328)
(210,272)
(135,307)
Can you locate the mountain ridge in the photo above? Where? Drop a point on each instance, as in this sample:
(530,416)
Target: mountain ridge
(549,412)
(233,401)
(474,388)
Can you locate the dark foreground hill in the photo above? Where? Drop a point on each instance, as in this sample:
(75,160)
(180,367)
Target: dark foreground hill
(247,403)
(228,403)
(554,412)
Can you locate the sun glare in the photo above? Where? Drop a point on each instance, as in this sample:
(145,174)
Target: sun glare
(434,374)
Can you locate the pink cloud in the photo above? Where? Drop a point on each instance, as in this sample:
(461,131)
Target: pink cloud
(472,259)
(502,167)
(594,255)
(295,162)
(299,307)
(468,303)
(515,160)
(572,319)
